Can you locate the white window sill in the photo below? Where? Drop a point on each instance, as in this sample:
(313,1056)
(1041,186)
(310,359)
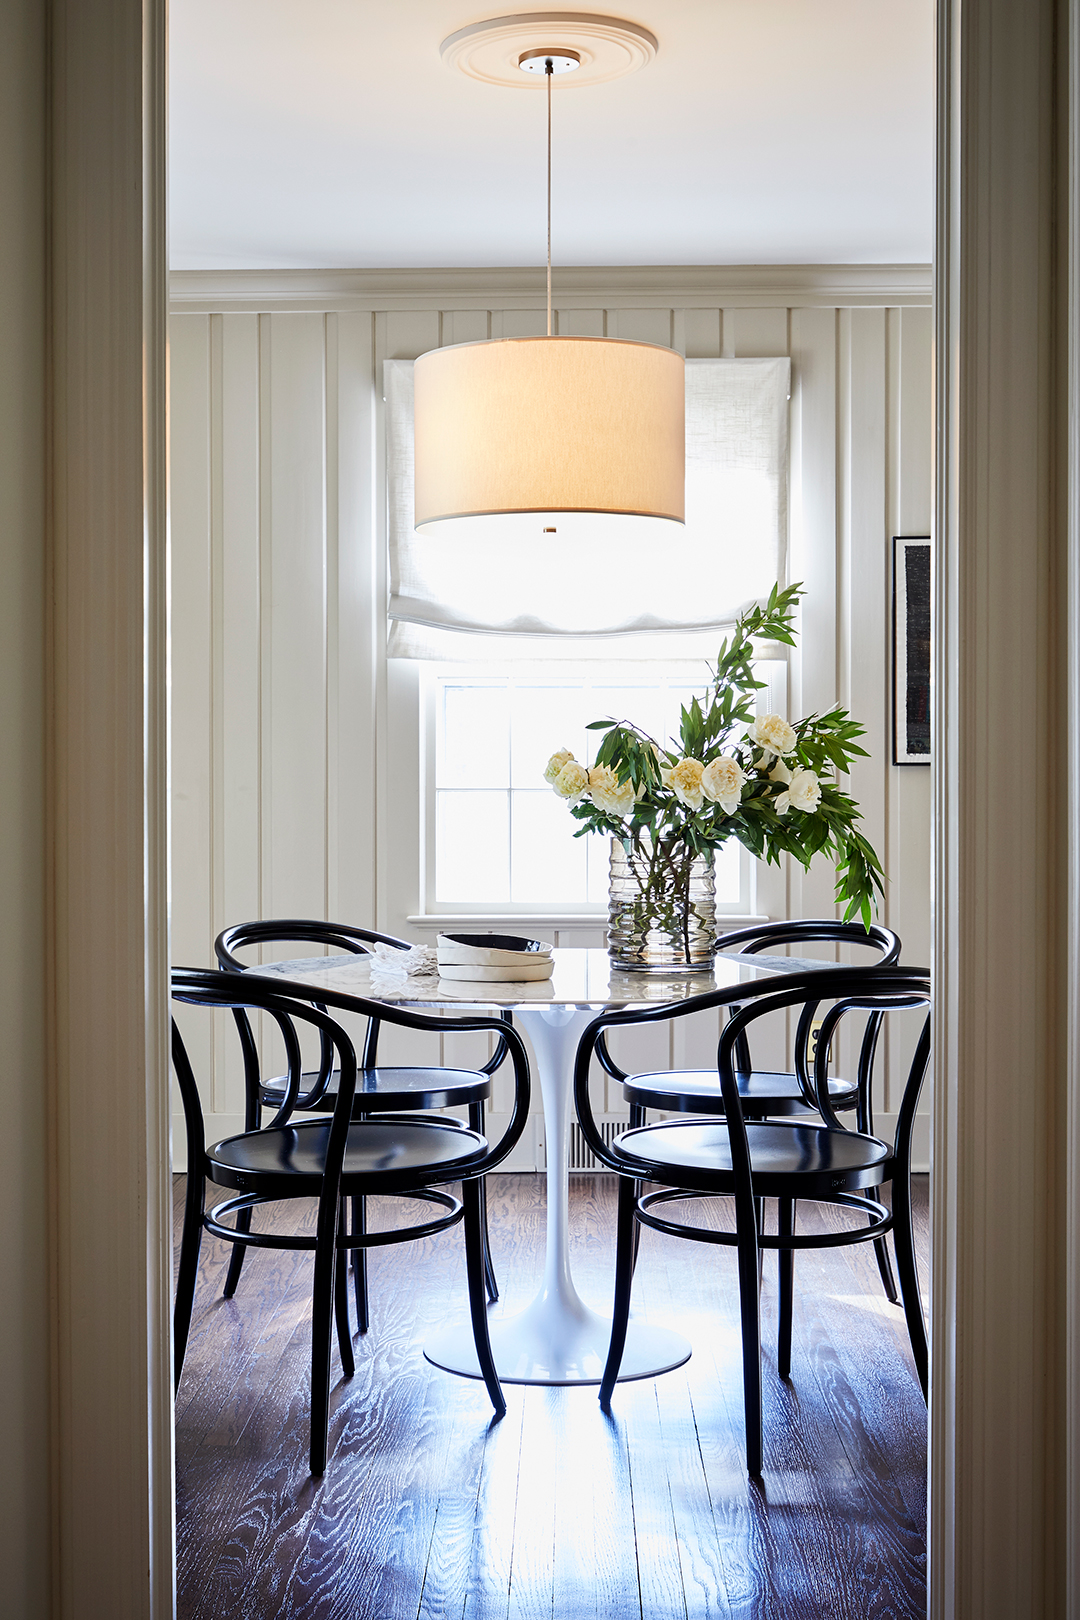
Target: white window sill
(508,921)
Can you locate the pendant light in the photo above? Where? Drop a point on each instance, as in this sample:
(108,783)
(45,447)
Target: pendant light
(521,437)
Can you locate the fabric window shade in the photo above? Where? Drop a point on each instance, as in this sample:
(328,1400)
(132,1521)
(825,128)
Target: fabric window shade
(629,598)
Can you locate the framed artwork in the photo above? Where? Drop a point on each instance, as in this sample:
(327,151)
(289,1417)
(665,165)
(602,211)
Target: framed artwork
(911,650)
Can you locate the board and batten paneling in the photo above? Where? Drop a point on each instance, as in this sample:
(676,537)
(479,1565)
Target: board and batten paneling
(297,771)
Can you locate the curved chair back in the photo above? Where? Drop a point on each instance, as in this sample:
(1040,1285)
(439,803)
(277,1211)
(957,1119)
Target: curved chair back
(876,989)
(253,991)
(814,930)
(275,930)
(342,937)
(759,938)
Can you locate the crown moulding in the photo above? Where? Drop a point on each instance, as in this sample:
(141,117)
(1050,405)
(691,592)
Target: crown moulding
(588,286)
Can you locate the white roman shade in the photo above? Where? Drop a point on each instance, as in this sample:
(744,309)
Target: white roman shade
(664,595)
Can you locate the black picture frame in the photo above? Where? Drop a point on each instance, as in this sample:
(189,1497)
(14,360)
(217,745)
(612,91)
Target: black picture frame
(911,650)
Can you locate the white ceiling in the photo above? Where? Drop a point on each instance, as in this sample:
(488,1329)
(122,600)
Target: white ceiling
(329,133)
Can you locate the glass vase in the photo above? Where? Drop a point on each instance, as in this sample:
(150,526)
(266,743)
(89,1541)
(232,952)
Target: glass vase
(661,907)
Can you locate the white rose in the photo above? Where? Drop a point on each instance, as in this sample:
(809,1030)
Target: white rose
(571,782)
(722,781)
(780,773)
(561,757)
(804,791)
(773,735)
(608,793)
(684,780)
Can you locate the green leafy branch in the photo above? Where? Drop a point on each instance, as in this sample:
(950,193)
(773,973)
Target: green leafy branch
(788,803)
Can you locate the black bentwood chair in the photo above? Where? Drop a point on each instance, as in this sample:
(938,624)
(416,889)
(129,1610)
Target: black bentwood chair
(378,1089)
(766,1094)
(753,1160)
(333,1157)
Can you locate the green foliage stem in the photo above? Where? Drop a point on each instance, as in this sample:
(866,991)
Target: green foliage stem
(718,726)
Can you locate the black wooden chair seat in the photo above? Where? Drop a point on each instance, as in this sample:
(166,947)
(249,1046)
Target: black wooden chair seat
(697,1091)
(386,1155)
(393,1089)
(700,1153)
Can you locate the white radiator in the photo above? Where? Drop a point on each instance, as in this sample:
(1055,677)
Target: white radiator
(581,1155)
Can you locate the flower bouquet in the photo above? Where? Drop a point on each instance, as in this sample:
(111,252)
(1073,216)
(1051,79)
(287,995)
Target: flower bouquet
(761,780)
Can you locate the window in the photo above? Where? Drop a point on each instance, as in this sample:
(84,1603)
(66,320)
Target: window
(496,835)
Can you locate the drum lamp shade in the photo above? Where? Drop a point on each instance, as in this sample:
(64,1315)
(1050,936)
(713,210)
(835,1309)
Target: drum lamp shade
(545,432)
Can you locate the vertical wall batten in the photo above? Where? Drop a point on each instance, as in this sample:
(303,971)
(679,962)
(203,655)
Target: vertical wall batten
(331,484)
(217,672)
(307,800)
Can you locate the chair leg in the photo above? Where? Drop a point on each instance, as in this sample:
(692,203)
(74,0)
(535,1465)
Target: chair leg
(907,1268)
(474,1266)
(786,1265)
(625,1256)
(490,1283)
(638,1116)
(476,1121)
(236,1259)
(190,1243)
(888,1281)
(322,1312)
(749,1274)
(341,1303)
(359,1264)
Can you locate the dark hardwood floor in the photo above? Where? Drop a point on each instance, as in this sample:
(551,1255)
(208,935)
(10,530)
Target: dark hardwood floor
(428,1509)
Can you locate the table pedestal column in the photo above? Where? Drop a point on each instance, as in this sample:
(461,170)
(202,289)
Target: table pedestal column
(558,1339)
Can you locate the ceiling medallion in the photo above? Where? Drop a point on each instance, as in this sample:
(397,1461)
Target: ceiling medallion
(605,47)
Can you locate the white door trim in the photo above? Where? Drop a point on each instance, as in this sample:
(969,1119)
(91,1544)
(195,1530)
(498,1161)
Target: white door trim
(112,1454)
(1071,189)
(997,1451)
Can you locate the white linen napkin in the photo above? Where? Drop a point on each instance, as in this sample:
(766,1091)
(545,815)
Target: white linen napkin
(390,966)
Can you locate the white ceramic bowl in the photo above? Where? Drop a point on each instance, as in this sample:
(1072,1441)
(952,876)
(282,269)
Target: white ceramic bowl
(541,967)
(494,958)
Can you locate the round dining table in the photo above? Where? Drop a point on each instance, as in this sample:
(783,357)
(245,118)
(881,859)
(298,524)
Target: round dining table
(557,1339)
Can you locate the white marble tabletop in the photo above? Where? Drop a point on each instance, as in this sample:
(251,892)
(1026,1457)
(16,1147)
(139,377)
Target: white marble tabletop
(582,978)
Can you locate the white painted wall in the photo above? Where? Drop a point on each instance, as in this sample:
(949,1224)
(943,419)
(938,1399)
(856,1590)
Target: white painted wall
(296,770)
(25,1441)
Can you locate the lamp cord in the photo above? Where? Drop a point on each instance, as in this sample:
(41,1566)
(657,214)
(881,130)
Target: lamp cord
(548,71)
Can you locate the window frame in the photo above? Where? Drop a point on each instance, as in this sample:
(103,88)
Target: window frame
(774,670)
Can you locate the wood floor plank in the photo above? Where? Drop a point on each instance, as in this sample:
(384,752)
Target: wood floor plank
(450,1568)
(488,1594)
(659,1557)
(699,1540)
(532,1590)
